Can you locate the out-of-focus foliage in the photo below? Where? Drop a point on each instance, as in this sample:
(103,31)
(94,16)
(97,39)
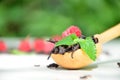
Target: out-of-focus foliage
(40,18)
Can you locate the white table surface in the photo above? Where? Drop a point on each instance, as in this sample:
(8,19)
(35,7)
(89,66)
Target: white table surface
(22,67)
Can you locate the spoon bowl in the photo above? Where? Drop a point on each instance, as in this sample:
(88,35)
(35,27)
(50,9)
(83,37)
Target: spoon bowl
(80,58)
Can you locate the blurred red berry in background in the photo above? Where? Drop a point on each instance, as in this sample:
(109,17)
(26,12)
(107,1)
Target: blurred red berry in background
(48,47)
(3,47)
(38,45)
(25,45)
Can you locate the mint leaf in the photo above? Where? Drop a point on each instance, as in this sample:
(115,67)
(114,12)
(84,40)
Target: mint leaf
(67,40)
(88,46)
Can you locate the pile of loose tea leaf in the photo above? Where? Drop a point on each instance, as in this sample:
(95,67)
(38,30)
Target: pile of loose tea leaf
(61,49)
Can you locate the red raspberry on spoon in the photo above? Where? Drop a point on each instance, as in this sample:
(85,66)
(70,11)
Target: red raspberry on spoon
(71,30)
(57,38)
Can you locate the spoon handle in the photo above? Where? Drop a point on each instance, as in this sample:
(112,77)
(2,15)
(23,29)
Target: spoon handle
(109,34)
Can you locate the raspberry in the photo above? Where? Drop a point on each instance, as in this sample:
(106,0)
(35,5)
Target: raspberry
(71,30)
(57,38)
(38,45)
(48,47)
(24,46)
(3,47)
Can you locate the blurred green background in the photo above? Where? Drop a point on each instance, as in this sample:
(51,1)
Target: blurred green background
(39,18)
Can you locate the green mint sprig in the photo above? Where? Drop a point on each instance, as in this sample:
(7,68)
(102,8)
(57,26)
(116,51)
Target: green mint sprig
(87,45)
(69,40)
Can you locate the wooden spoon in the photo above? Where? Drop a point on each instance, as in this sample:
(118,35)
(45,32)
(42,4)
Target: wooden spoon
(80,58)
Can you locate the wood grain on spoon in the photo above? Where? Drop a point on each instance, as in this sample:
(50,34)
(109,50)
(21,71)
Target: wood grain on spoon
(109,34)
